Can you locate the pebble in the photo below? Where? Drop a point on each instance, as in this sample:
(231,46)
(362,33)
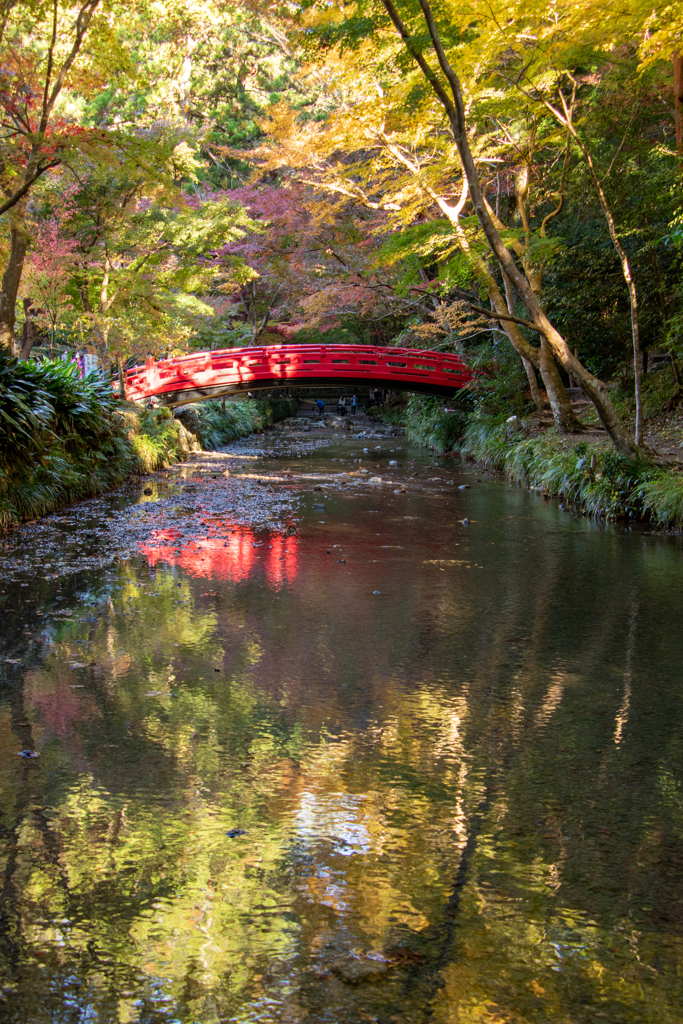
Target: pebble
(27,753)
(464,487)
(465,522)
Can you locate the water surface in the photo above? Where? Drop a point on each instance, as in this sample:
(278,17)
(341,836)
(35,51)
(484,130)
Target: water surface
(357,763)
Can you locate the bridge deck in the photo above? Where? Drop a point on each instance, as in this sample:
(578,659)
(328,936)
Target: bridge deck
(203,375)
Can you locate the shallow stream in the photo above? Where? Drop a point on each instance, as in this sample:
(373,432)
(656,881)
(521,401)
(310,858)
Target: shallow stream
(312,749)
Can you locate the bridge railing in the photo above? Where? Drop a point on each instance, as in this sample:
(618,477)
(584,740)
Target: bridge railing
(280,365)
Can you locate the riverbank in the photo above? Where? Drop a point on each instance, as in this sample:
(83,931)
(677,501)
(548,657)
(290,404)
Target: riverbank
(68,439)
(159,438)
(581,469)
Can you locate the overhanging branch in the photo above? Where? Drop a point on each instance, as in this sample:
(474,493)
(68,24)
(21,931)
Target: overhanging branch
(492,315)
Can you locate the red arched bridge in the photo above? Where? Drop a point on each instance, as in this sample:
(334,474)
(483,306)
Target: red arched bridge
(229,371)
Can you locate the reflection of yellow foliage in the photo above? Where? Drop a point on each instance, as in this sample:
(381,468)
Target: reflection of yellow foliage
(463,1001)
(253,652)
(378,817)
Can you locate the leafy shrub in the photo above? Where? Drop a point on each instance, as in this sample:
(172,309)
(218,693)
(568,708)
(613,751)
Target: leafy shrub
(50,398)
(428,423)
(213,426)
(661,498)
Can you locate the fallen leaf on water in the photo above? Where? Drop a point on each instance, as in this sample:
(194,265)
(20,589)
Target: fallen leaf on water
(445,561)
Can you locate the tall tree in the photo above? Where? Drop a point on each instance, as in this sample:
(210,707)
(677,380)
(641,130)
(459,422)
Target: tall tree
(145,257)
(41,47)
(444,46)
(447,88)
(402,169)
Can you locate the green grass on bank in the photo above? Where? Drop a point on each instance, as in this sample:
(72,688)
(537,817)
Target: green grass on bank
(214,424)
(63,439)
(595,479)
(159,439)
(427,422)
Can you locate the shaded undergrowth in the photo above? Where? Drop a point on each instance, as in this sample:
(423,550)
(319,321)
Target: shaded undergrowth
(215,424)
(426,421)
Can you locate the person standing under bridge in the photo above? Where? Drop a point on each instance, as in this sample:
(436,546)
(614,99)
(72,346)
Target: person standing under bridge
(354,405)
(321,408)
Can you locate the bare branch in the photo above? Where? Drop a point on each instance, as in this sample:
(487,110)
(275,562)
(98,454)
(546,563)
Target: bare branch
(497,315)
(48,73)
(19,193)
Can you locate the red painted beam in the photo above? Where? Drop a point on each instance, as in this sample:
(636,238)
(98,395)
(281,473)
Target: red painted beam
(206,374)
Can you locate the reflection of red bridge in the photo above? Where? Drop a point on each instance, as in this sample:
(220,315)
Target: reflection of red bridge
(229,371)
(226,553)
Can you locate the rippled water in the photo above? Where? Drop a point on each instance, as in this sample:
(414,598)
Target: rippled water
(450,758)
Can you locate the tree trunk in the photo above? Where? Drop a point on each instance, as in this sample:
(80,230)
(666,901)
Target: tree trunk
(100,327)
(531,357)
(11,279)
(122,381)
(560,403)
(678,101)
(528,365)
(83,291)
(30,335)
(623,259)
(536,396)
(563,413)
(102,346)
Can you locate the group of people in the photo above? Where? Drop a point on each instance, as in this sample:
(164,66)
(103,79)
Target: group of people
(341,406)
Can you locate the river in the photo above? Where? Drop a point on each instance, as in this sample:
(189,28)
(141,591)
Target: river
(313,749)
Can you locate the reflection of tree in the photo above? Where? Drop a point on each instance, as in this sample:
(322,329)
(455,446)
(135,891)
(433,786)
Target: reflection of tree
(361,769)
